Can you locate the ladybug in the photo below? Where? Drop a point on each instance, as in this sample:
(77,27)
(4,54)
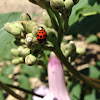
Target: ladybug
(41,35)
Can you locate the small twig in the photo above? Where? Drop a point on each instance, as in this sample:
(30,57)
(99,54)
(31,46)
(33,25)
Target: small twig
(24,90)
(2,28)
(7,89)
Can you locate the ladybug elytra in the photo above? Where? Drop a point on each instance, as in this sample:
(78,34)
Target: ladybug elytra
(41,35)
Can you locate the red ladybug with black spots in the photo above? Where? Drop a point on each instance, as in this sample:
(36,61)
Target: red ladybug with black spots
(41,35)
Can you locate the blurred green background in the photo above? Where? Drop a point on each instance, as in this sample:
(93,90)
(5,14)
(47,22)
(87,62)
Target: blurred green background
(84,29)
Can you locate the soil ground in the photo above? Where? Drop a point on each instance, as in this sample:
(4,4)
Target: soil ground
(21,6)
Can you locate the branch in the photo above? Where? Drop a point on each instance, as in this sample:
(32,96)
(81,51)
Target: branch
(24,90)
(7,89)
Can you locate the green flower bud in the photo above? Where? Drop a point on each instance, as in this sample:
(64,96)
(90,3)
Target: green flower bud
(28,25)
(14,52)
(23,34)
(25,16)
(20,49)
(19,25)
(35,30)
(43,3)
(72,45)
(11,28)
(51,34)
(29,38)
(29,35)
(63,48)
(70,48)
(34,40)
(15,61)
(47,20)
(21,59)
(80,50)
(67,53)
(22,41)
(57,5)
(26,52)
(68,4)
(30,59)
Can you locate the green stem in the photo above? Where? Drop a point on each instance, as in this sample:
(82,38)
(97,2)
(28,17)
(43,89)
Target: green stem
(73,70)
(60,21)
(60,31)
(53,19)
(7,89)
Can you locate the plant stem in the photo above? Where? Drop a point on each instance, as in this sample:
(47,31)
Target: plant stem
(53,19)
(7,89)
(60,31)
(24,90)
(73,70)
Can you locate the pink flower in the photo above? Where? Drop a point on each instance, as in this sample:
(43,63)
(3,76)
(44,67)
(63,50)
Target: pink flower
(57,87)
(42,90)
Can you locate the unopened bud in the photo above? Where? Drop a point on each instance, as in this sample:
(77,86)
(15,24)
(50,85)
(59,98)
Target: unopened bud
(35,30)
(22,41)
(30,59)
(26,52)
(21,59)
(68,4)
(11,28)
(57,5)
(19,25)
(25,16)
(14,52)
(51,34)
(80,50)
(28,25)
(15,61)
(29,38)
(20,49)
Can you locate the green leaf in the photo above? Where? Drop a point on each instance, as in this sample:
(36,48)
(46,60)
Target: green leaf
(90,96)
(98,63)
(31,71)
(85,18)
(92,38)
(5,79)
(94,72)
(76,92)
(7,70)
(6,39)
(24,82)
(1,95)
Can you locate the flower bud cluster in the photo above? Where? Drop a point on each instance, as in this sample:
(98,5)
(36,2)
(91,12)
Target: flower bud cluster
(57,5)
(25,32)
(25,36)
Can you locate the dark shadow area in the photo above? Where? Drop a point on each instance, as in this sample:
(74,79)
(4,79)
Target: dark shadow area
(85,71)
(97,93)
(90,24)
(92,2)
